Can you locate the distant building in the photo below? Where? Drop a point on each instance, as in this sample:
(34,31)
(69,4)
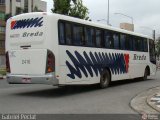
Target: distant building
(24,6)
(2,32)
(127,26)
(10,8)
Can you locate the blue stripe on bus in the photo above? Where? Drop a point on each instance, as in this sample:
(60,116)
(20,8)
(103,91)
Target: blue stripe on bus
(94,63)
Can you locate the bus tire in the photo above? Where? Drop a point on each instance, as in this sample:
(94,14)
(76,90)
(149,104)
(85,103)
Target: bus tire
(145,74)
(105,79)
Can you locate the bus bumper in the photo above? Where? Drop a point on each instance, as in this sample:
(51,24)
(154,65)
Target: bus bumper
(49,79)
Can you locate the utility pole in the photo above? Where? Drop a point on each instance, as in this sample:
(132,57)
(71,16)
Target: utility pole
(108,14)
(154,35)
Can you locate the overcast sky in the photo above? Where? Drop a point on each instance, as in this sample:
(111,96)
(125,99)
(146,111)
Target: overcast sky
(145,13)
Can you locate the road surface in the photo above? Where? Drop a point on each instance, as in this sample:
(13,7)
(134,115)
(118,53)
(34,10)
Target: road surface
(72,100)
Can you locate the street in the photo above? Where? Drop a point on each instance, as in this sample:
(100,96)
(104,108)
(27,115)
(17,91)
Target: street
(48,99)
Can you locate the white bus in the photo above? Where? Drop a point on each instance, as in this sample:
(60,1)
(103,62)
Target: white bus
(46,48)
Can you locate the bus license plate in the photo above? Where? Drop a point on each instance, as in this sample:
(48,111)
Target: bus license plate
(26,80)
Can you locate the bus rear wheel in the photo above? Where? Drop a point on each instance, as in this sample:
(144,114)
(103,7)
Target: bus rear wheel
(105,79)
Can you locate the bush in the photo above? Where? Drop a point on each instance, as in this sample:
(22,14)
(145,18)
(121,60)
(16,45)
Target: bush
(2,71)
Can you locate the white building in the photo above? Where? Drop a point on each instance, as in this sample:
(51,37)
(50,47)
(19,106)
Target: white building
(24,6)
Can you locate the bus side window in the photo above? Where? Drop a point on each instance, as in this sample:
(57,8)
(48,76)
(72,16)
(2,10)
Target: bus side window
(108,40)
(68,31)
(142,44)
(89,36)
(145,45)
(122,41)
(78,35)
(131,42)
(116,40)
(98,38)
(93,37)
(139,44)
(127,42)
(134,44)
(61,33)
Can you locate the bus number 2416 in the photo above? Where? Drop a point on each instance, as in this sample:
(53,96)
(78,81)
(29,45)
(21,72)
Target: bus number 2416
(26,62)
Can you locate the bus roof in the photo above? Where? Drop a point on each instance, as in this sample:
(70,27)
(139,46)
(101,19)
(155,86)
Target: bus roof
(85,22)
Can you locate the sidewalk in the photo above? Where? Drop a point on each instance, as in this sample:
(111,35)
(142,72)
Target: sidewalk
(154,101)
(147,102)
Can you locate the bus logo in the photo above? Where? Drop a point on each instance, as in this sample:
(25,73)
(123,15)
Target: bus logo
(27,23)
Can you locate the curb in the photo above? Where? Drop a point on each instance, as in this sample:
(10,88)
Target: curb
(2,77)
(151,104)
(139,102)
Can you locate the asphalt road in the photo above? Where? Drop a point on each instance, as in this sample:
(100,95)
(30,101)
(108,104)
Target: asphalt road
(78,99)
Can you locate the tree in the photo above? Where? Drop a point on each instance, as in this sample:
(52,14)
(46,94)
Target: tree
(61,6)
(77,9)
(7,16)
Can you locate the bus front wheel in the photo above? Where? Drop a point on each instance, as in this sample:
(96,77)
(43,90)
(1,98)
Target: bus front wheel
(105,79)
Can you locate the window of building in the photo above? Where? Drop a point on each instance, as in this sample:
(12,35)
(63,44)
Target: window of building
(2,2)
(89,36)
(18,0)
(2,16)
(26,6)
(68,31)
(2,44)
(18,10)
(78,38)
(2,29)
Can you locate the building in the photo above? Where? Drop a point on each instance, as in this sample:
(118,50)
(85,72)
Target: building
(10,8)
(2,32)
(15,7)
(127,26)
